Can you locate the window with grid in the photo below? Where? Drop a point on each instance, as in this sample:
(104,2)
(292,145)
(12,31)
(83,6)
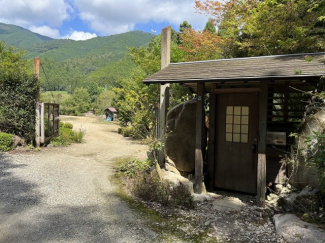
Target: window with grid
(237,118)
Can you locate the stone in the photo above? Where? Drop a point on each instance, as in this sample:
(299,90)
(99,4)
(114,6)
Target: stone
(170,166)
(293,229)
(304,175)
(278,188)
(294,200)
(175,180)
(228,204)
(181,136)
(200,197)
(17,141)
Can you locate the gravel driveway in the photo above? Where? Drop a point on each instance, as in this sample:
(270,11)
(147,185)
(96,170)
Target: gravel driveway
(65,194)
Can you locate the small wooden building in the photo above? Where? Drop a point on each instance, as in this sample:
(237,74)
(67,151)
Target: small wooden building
(254,105)
(111,113)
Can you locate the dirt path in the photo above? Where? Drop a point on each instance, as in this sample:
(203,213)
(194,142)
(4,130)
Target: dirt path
(65,194)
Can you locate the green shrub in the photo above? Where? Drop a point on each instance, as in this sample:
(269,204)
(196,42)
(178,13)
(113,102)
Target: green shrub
(18,91)
(135,166)
(6,141)
(67,135)
(68,125)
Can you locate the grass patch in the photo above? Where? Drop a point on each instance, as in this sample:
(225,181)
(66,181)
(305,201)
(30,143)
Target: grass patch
(67,136)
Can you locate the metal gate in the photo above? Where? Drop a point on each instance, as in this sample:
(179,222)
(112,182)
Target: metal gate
(47,122)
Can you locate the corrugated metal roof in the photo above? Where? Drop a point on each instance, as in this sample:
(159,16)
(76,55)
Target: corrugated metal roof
(252,68)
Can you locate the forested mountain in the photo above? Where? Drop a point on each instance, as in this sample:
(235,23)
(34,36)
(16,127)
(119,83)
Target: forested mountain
(69,64)
(20,37)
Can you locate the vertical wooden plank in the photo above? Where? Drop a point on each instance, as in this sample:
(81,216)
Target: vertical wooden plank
(198,144)
(164,90)
(212,137)
(262,130)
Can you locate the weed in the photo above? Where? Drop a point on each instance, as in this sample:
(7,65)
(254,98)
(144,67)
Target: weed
(147,186)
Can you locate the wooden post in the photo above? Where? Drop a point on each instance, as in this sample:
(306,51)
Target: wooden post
(262,132)
(212,138)
(164,90)
(198,145)
(37,63)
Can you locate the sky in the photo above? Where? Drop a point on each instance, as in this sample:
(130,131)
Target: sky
(85,19)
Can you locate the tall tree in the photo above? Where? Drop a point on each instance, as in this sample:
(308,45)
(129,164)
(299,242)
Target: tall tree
(184,26)
(253,27)
(209,26)
(200,45)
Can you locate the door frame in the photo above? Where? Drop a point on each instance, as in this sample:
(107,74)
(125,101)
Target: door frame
(262,130)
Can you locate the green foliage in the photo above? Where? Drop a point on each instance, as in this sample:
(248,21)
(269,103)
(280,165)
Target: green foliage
(253,28)
(20,37)
(184,26)
(67,135)
(54,96)
(18,90)
(136,102)
(68,125)
(78,103)
(134,166)
(209,26)
(315,154)
(105,100)
(6,141)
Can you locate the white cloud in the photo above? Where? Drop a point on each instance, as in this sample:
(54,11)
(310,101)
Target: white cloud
(46,30)
(28,13)
(103,17)
(117,16)
(80,35)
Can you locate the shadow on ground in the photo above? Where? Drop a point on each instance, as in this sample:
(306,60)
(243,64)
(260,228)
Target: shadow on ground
(16,195)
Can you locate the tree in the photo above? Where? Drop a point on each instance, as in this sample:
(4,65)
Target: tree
(105,100)
(136,102)
(184,26)
(209,26)
(200,45)
(253,27)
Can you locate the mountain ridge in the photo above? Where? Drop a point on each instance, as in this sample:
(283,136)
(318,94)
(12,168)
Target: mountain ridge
(70,64)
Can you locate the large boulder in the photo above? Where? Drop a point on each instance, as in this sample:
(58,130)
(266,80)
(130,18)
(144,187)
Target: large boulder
(302,175)
(292,229)
(181,136)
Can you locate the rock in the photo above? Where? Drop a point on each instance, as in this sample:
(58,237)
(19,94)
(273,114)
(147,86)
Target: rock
(175,180)
(228,204)
(200,197)
(181,136)
(278,188)
(304,175)
(17,141)
(294,201)
(292,229)
(170,166)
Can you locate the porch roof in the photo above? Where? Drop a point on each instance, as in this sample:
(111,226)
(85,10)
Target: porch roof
(279,67)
